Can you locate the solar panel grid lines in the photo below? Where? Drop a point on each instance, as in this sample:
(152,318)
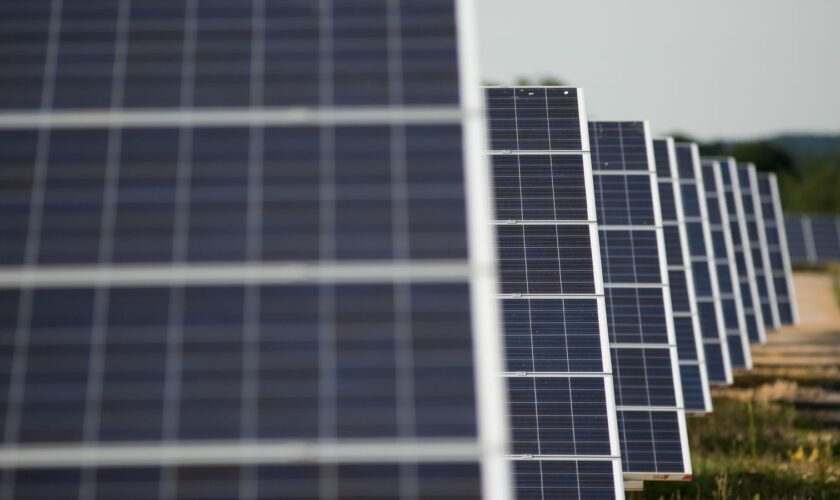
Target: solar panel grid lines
(243,289)
(639,313)
(559,371)
(778,248)
(713,328)
(730,291)
(758,241)
(692,358)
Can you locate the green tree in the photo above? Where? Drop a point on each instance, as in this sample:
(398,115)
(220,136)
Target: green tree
(766,156)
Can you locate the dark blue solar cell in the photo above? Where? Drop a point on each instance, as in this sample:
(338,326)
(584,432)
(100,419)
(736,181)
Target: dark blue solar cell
(558,416)
(673,245)
(826,237)
(708,320)
(691,201)
(685,161)
(587,480)
(636,315)
(618,146)
(796,238)
(539,187)
(715,364)
(630,256)
(662,159)
(667,201)
(686,344)
(624,200)
(650,441)
(692,384)
(533,118)
(552,335)
(545,259)
(680,299)
(643,376)
(696,239)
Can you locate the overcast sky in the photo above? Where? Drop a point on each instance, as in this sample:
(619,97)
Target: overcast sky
(710,68)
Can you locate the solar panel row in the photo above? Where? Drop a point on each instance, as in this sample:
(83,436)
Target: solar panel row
(651,416)
(743,256)
(559,374)
(777,249)
(724,259)
(692,358)
(709,305)
(753,216)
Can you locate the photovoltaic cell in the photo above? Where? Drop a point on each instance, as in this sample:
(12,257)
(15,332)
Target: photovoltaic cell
(750,196)
(559,374)
(704,271)
(648,389)
(724,258)
(777,248)
(740,245)
(242,240)
(692,358)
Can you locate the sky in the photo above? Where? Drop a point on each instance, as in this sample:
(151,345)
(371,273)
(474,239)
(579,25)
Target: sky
(713,69)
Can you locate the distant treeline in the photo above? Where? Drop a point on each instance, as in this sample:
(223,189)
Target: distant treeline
(808,167)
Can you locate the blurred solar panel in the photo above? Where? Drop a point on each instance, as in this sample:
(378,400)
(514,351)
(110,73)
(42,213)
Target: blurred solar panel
(559,374)
(728,283)
(648,391)
(748,182)
(825,233)
(237,243)
(704,271)
(743,256)
(777,249)
(692,358)
(813,239)
(800,243)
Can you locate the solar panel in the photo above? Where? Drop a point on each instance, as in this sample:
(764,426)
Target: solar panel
(692,359)
(748,181)
(825,233)
(743,256)
(774,228)
(704,271)
(800,243)
(559,374)
(648,391)
(728,284)
(250,254)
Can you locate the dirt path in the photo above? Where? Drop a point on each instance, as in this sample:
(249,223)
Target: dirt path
(801,364)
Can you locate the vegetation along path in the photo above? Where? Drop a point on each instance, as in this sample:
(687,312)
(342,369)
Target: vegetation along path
(776,432)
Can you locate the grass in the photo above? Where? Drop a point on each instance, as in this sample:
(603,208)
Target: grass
(754,449)
(834,269)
